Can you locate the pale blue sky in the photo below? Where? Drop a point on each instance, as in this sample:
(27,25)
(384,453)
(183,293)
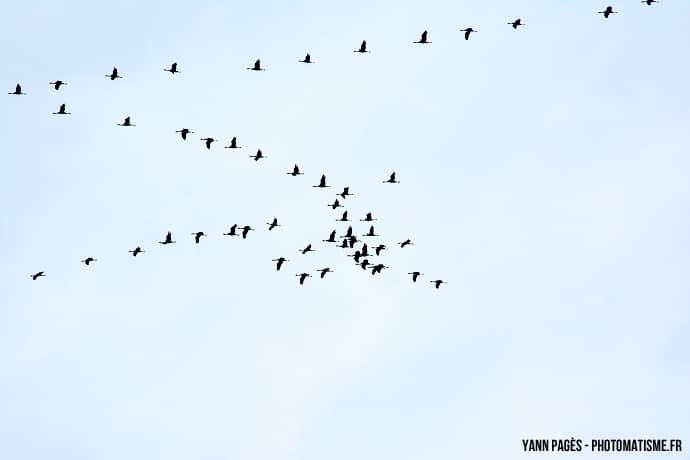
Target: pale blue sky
(543,175)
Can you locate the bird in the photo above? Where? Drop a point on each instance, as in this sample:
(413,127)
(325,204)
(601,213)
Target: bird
(423,39)
(438,283)
(344,244)
(468,31)
(322,183)
(233,231)
(209,141)
(127,122)
(17,90)
(245,231)
(343,218)
(608,11)
(136,251)
(348,234)
(517,23)
(114,74)
(362,47)
(351,241)
(257,65)
(183,132)
(405,243)
(302,277)
(365,250)
(88,261)
(197,236)
(368,218)
(649,2)
(371,232)
(37,275)
(364,264)
(168,239)
(336,204)
(281,261)
(274,224)
(57,84)
(345,192)
(307,249)
(233,144)
(307,59)
(324,271)
(173,69)
(331,238)
(259,155)
(295,172)
(356,256)
(61,110)
(415,275)
(379,248)
(391,180)
(378,268)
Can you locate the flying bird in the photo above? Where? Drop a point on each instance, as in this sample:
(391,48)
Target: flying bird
(345,193)
(257,65)
(322,183)
(233,231)
(17,90)
(415,275)
(233,144)
(438,283)
(57,84)
(368,218)
(114,74)
(352,239)
(517,23)
(37,275)
(259,155)
(468,31)
(183,132)
(405,243)
(391,180)
(280,261)
(423,39)
(295,172)
(323,271)
(208,141)
(379,248)
(365,250)
(344,244)
(274,224)
(364,264)
(307,59)
(336,204)
(197,236)
(348,234)
(362,47)
(343,218)
(649,2)
(608,11)
(378,268)
(331,238)
(173,69)
(356,256)
(307,249)
(61,110)
(136,251)
(371,232)
(245,231)
(88,261)
(168,239)
(127,122)
(302,277)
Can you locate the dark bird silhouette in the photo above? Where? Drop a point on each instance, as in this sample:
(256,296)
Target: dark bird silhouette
(378,268)
(352,240)
(405,243)
(280,261)
(61,110)
(343,218)
(295,172)
(37,275)
(57,84)
(345,193)
(368,218)
(357,255)
(365,250)
(168,239)
(379,248)
(371,232)
(245,231)
(257,65)
(127,122)
(274,224)
(423,39)
(233,144)
(517,23)
(302,277)
(322,183)
(468,31)
(183,132)
(197,236)
(348,234)
(323,271)
(415,275)
(307,249)
(331,238)
(259,155)
(438,283)
(136,251)
(307,59)
(208,141)
(344,244)
(364,264)
(17,90)
(608,11)
(362,47)
(173,69)
(113,75)
(336,204)
(88,261)
(233,231)
(391,180)
(649,2)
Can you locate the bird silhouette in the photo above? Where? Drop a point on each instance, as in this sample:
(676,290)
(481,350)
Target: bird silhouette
(37,275)
(423,39)
(438,283)
(208,141)
(649,2)
(307,249)
(173,69)
(245,230)
(368,218)
(343,218)
(345,193)
(280,261)
(113,75)
(331,238)
(379,248)
(61,110)
(336,204)
(302,277)
(17,90)
(415,275)
(345,244)
(468,31)
(365,250)
(352,239)
(136,251)
(362,47)
(233,144)
(378,268)
(307,59)
(517,23)
(127,122)
(168,239)
(57,84)
(356,256)
(183,132)
(257,65)
(364,264)
(348,234)
(233,231)
(88,261)
(323,271)
(274,224)
(608,11)
(391,180)
(371,232)
(405,243)
(322,183)
(295,172)
(197,236)
(259,155)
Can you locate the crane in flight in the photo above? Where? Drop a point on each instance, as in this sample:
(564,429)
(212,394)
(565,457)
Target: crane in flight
(61,110)
(233,231)
(415,275)
(517,23)
(468,31)
(168,239)
(343,218)
(379,248)
(280,261)
(183,132)
(273,224)
(371,232)
(322,183)
(197,236)
(233,144)
(362,47)
(423,39)
(306,249)
(18,90)
(307,59)
(208,141)
(259,155)
(57,84)
(331,238)
(88,261)
(295,172)
(406,243)
(323,271)
(438,283)
(302,277)
(127,122)
(608,12)
(257,65)
(368,218)
(173,69)
(391,180)
(113,75)
(136,251)
(336,204)
(245,231)
(345,193)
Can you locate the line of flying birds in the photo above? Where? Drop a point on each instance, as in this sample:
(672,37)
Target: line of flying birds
(349,239)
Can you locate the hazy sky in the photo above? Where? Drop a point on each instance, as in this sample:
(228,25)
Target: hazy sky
(543,175)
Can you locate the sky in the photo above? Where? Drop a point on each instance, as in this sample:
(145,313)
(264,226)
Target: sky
(543,175)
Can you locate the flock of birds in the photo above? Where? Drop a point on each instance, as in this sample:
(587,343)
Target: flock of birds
(349,240)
